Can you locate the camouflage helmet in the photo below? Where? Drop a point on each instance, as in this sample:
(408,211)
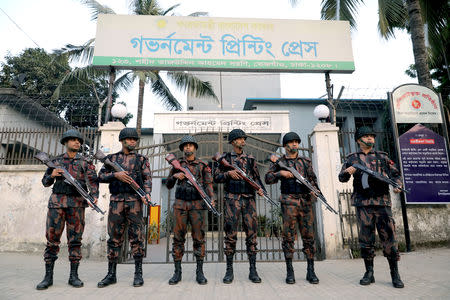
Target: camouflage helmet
(187,139)
(128,133)
(362,131)
(70,134)
(291,136)
(235,134)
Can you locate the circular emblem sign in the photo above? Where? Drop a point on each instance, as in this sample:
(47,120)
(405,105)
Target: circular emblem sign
(416,104)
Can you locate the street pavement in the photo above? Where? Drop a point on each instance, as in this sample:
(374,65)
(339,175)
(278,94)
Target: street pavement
(425,272)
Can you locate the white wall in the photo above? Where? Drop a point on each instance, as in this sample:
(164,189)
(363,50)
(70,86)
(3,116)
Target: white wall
(23,212)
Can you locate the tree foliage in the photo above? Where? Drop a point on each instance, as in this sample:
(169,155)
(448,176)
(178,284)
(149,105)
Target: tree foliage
(37,74)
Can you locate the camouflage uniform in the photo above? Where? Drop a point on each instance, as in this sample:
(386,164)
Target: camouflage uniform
(125,205)
(373,205)
(239,199)
(189,207)
(296,205)
(66,206)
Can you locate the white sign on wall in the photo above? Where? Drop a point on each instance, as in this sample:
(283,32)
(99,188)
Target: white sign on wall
(230,44)
(215,123)
(224,121)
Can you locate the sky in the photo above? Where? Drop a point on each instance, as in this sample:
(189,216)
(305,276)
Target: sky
(379,64)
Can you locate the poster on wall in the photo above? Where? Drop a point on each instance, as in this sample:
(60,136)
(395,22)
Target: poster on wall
(425,165)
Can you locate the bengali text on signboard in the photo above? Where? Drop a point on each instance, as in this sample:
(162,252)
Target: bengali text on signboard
(425,166)
(192,43)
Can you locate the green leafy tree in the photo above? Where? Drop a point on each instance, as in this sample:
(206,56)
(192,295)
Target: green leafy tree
(34,72)
(37,74)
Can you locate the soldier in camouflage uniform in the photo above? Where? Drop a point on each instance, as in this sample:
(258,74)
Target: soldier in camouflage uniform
(125,206)
(239,200)
(373,205)
(296,205)
(189,207)
(66,207)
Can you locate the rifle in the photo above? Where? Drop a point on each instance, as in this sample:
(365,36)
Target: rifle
(118,168)
(171,159)
(68,178)
(365,178)
(302,180)
(221,159)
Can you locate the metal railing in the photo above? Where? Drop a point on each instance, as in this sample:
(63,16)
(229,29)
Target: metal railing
(19,145)
(347,216)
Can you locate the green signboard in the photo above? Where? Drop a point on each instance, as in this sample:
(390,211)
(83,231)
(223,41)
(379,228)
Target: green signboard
(188,43)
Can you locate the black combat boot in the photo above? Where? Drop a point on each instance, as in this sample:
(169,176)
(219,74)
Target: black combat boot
(228,278)
(253,275)
(48,278)
(310,274)
(200,277)
(368,277)
(110,278)
(138,280)
(396,281)
(177,274)
(73,278)
(290,277)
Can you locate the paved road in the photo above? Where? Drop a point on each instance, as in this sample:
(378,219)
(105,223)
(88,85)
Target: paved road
(425,273)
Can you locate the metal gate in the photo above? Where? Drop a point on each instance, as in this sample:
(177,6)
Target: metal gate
(269,218)
(349,225)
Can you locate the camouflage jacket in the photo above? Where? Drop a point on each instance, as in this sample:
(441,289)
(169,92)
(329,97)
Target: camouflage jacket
(82,170)
(203,176)
(378,191)
(304,166)
(248,164)
(138,168)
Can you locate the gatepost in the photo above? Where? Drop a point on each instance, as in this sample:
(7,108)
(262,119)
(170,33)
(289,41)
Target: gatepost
(96,229)
(327,165)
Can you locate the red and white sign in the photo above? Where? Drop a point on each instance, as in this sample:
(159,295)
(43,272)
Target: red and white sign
(414,103)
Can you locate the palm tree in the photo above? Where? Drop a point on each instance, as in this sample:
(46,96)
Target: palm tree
(401,14)
(184,81)
(418,41)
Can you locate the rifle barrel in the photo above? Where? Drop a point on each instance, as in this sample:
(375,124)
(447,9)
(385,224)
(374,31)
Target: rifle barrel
(300,179)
